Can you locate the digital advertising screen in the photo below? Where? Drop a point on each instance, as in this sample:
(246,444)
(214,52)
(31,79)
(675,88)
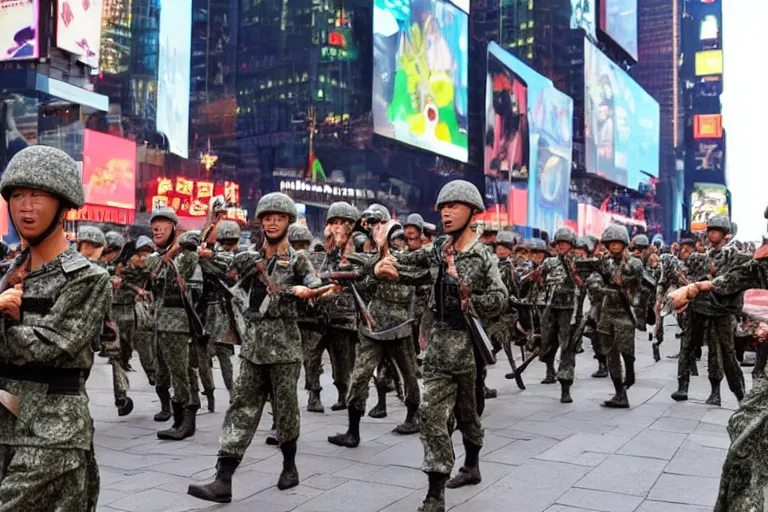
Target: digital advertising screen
(709,62)
(174,69)
(189,197)
(583,16)
(19,37)
(420,75)
(622,123)
(707,200)
(709,29)
(109,170)
(618,19)
(707,126)
(78,29)
(528,142)
(708,155)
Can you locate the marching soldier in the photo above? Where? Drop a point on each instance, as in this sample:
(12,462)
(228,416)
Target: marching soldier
(414,235)
(54,303)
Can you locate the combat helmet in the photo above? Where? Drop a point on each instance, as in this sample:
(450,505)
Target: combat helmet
(565,234)
(298,234)
(92,235)
(44,168)
(165,213)
(144,242)
(277,202)
(115,241)
(190,239)
(377,211)
(342,210)
(415,220)
(584,244)
(536,245)
(430,229)
(615,233)
(460,191)
(640,242)
(719,222)
(507,239)
(227,230)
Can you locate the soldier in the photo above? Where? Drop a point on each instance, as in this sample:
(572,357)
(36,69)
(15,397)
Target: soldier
(414,234)
(270,356)
(173,324)
(644,303)
(502,328)
(430,232)
(91,243)
(467,276)
(558,303)
(671,277)
(54,302)
(115,243)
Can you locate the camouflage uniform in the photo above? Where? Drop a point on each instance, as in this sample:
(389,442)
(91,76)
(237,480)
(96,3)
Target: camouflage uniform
(557,303)
(312,326)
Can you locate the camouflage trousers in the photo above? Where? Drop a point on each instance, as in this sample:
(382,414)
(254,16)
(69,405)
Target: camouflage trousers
(616,339)
(368,355)
(340,344)
(253,385)
(39,479)
(120,383)
(556,333)
(446,395)
(177,367)
(224,353)
(131,338)
(717,332)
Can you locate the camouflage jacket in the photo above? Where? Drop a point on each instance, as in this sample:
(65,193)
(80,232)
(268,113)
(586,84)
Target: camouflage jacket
(671,274)
(131,278)
(213,303)
(703,267)
(615,299)
(274,338)
(393,300)
(510,277)
(559,288)
(63,310)
(748,275)
(309,313)
(340,309)
(170,315)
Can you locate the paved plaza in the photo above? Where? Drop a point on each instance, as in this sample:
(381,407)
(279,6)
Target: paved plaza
(539,455)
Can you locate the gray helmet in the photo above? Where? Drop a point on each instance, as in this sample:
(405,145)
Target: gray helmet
(299,233)
(377,211)
(640,242)
(430,229)
(507,239)
(92,235)
(165,213)
(734,228)
(190,239)
(565,234)
(144,242)
(44,168)
(585,243)
(227,230)
(415,220)
(245,260)
(317,246)
(115,241)
(720,222)
(277,202)
(536,244)
(460,191)
(615,233)
(342,210)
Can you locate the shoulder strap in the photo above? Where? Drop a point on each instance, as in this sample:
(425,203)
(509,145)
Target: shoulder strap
(74,261)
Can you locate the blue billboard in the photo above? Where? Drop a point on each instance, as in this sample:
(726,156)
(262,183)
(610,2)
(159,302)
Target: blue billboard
(622,123)
(173,74)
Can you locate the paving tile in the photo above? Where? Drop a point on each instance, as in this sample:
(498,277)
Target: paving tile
(624,474)
(357,496)
(518,452)
(661,506)
(655,444)
(694,460)
(692,490)
(158,500)
(599,500)
(674,425)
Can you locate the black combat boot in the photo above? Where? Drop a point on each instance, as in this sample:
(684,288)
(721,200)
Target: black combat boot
(714,397)
(341,402)
(469,473)
(602,369)
(656,352)
(272,436)
(411,424)
(165,403)
(619,400)
(124,406)
(289,477)
(681,395)
(187,427)
(350,439)
(489,393)
(629,377)
(211,400)
(220,490)
(435,500)
(380,409)
(314,403)
(565,391)
(550,377)
(178,419)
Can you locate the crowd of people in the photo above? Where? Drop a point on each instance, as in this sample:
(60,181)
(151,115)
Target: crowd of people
(389,301)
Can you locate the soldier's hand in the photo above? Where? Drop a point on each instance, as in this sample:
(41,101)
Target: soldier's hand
(205,252)
(379,232)
(386,269)
(302,292)
(116,282)
(10,301)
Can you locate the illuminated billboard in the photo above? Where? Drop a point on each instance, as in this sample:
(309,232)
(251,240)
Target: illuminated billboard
(709,28)
(709,62)
(174,69)
(109,170)
(707,200)
(420,76)
(583,16)
(622,123)
(708,126)
(78,29)
(618,19)
(19,21)
(708,155)
(189,197)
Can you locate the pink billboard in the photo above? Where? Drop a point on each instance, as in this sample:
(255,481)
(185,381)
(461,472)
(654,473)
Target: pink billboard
(19,39)
(109,170)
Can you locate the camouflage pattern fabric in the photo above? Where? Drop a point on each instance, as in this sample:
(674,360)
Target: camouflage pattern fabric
(205,368)
(144,342)
(174,368)
(687,356)
(312,349)
(253,385)
(717,333)
(616,324)
(133,338)
(224,353)
(560,290)
(713,263)
(556,333)
(170,316)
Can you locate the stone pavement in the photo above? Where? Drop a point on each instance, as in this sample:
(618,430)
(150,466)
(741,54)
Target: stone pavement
(539,455)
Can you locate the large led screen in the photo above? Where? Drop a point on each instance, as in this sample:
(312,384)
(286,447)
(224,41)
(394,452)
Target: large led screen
(421,74)
(19,29)
(583,16)
(707,200)
(528,137)
(78,29)
(109,170)
(618,19)
(709,62)
(173,83)
(622,123)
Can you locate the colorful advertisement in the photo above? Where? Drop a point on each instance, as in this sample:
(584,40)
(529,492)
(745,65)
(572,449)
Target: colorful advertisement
(622,123)
(109,170)
(583,16)
(78,29)
(174,69)
(618,19)
(708,126)
(709,30)
(420,75)
(707,200)
(708,155)
(190,197)
(709,62)
(19,29)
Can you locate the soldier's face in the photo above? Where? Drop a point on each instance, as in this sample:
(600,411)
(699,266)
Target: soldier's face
(161,231)
(637,253)
(275,225)
(300,246)
(340,230)
(685,251)
(90,251)
(413,237)
(538,257)
(715,236)
(455,216)
(616,248)
(503,252)
(563,248)
(32,211)
(580,253)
